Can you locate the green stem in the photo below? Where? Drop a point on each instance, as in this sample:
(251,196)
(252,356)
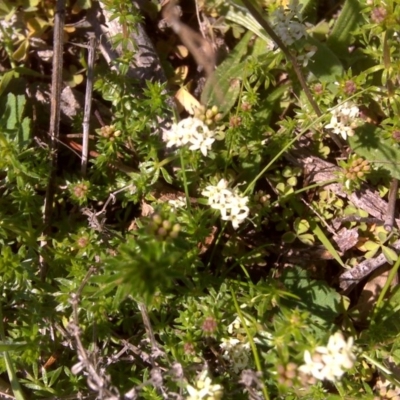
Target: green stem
(259,18)
(185,184)
(391,277)
(251,341)
(12,376)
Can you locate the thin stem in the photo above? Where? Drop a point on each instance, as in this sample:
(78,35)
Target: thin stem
(258,17)
(12,376)
(185,184)
(251,341)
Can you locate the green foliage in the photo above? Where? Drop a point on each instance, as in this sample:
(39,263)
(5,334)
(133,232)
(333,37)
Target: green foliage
(369,142)
(341,36)
(15,125)
(171,265)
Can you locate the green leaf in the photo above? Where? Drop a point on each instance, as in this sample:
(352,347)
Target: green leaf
(370,245)
(309,10)
(390,255)
(301,226)
(227,78)
(371,253)
(369,143)
(324,64)
(340,38)
(382,236)
(84,4)
(240,15)
(12,376)
(307,238)
(317,231)
(12,346)
(16,127)
(5,81)
(22,51)
(289,237)
(166,175)
(314,296)
(54,375)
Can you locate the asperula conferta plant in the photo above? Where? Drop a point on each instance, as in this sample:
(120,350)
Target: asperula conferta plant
(354,171)
(209,116)
(109,132)
(357,169)
(162,228)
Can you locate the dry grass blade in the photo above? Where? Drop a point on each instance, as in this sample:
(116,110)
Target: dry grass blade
(88,105)
(391,211)
(55,107)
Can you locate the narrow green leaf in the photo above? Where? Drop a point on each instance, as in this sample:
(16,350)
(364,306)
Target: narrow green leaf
(11,111)
(325,241)
(223,87)
(241,16)
(340,38)
(12,376)
(5,81)
(54,375)
(12,346)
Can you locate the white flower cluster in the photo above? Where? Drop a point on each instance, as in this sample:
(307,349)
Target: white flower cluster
(330,362)
(191,131)
(343,119)
(236,352)
(288,23)
(232,206)
(204,389)
(179,202)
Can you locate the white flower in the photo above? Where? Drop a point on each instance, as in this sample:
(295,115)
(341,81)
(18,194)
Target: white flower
(232,206)
(191,131)
(217,194)
(313,366)
(305,58)
(204,389)
(294,8)
(236,216)
(288,23)
(332,361)
(201,142)
(236,324)
(336,126)
(179,202)
(343,119)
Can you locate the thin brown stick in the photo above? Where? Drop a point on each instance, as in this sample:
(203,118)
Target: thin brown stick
(88,105)
(350,278)
(147,324)
(56,83)
(97,380)
(200,48)
(391,210)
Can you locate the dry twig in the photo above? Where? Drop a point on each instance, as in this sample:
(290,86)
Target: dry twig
(56,81)
(88,105)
